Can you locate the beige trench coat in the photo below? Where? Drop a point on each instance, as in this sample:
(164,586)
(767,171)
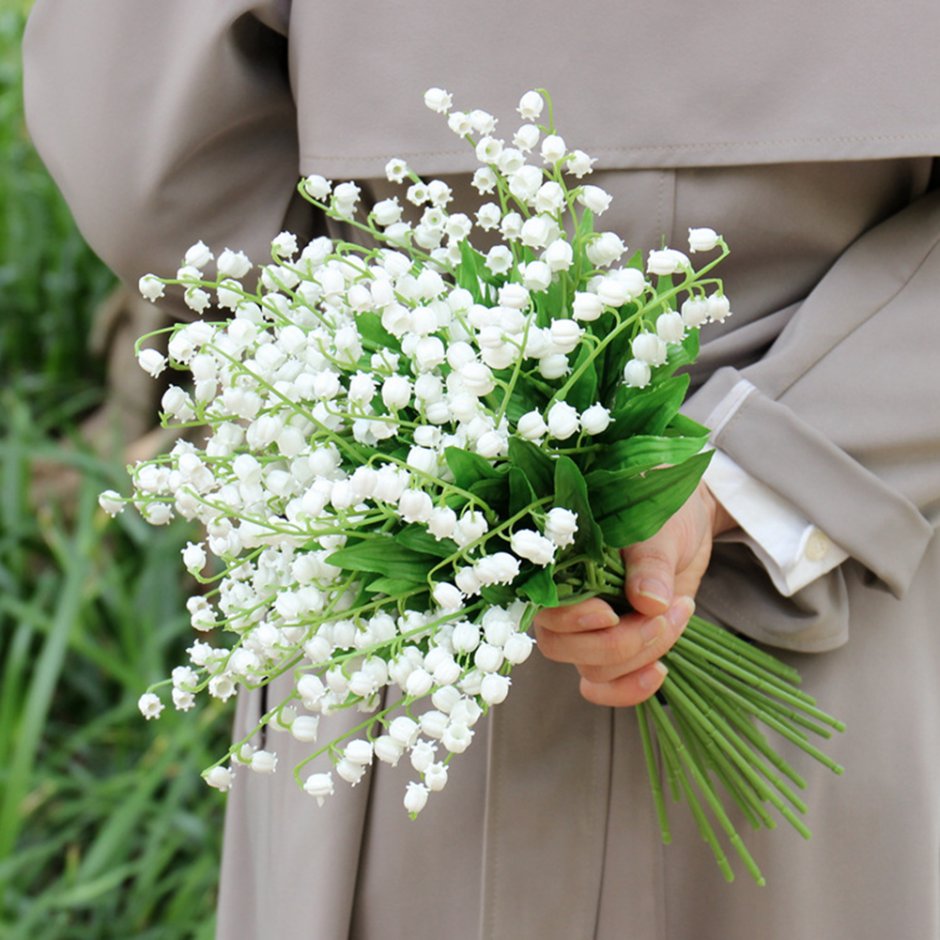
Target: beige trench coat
(803,131)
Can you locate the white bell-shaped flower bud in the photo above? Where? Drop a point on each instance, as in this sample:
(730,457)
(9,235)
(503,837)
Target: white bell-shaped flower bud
(670,328)
(605,249)
(221,778)
(466,637)
(457,738)
(387,749)
(447,596)
(553,148)
(416,798)
(435,777)
(305,728)
(637,374)
(562,421)
(530,106)
(517,648)
(531,426)
(664,261)
(595,419)
(702,239)
(263,762)
(494,688)
(528,544)
(595,199)
(488,658)
(526,137)
(350,772)
(719,308)
(319,786)
(649,348)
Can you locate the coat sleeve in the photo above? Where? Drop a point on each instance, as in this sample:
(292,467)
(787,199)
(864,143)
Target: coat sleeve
(191,134)
(841,418)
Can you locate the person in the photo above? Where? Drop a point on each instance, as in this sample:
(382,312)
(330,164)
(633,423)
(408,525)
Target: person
(168,122)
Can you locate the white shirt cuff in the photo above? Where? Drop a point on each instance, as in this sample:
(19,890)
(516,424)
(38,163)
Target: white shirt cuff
(793,550)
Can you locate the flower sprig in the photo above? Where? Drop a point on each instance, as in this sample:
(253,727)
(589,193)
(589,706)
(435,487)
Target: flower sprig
(413,444)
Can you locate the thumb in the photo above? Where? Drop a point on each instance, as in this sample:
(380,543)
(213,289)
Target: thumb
(651,573)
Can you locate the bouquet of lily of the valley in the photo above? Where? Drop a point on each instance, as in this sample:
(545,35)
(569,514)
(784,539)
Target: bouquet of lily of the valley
(413,444)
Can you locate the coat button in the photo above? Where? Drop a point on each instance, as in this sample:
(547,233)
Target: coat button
(817,545)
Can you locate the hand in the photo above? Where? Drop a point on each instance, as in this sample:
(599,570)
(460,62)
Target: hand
(618,657)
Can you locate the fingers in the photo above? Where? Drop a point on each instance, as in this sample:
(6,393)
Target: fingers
(618,664)
(592,614)
(627,690)
(651,568)
(633,641)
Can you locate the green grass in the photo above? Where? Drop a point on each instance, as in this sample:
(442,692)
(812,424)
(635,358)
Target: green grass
(106,829)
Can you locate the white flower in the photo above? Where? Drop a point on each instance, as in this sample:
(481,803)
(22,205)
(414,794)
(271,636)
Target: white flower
(387,211)
(350,772)
(537,275)
(305,728)
(319,786)
(264,762)
(719,308)
(549,198)
(438,100)
(694,312)
(442,523)
(649,348)
(494,688)
(595,199)
(511,226)
(285,245)
(316,186)
(435,777)
(151,287)
(198,255)
(637,374)
(499,259)
(562,420)
(387,750)
(459,123)
(404,731)
(530,106)
(579,163)
(234,264)
(482,121)
(439,193)
(702,239)
(561,525)
(457,738)
(484,180)
(358,751)
(531,426)
(470,527)
(670,328)
(220,777)
(447,596)
(396,170)
(586,306)
(605,249)
(489,216)
(194,557)
(538,231)
(559,255)
(526,137)
(477,378)
(498,568)
(553,148)
(510,160)
(517,648)
(488,658)
(416,797)
(525,183)
(197,299)
(111,502)
(514,295)
(415,506)
(151,361)
(529,544)
(596,419)
(566,334)
(488,149)
(396,392)
(422,755)
(665,261)
(150,705)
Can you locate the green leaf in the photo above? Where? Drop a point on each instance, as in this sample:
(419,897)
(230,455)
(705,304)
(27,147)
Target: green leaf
(646,411)
(683,426)
(418,539)
(498,595)
(633,508)
(468,272)
(521,493)
(394,586)
(370,328)
(468,468)
(571,492)
(646,451)
(583,393)
(681,354)
(540,587)
(534,463)
(385,555)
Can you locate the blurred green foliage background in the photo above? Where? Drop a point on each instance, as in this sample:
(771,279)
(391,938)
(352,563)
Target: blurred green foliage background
(106,829)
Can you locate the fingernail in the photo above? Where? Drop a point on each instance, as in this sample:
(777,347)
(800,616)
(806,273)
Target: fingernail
(654,590)
(598,620)
(646,681)
(652,630)
(680,612)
